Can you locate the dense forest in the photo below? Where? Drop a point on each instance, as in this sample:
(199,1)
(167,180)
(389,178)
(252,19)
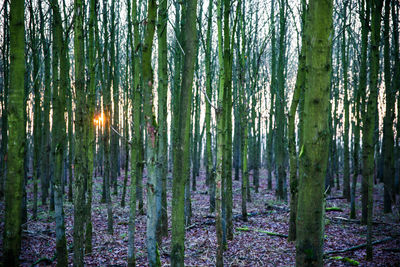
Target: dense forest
(172,133)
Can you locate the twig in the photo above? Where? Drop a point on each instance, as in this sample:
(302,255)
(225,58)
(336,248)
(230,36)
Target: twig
(123,137)
(358,247)
(38,235)
(358,221)
(246,229)
(208,99)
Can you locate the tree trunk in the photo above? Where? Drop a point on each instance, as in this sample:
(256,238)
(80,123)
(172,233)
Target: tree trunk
(314,150)
(153,209)
(16,130)
(299,91)
(388,136)
(162,111)
(209,158)
(273,90)
(364,17)
(346,171)
(80,152)
(59,51)
(369,122)
(182,138)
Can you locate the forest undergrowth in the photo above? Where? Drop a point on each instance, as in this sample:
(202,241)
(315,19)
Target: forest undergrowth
(251,245)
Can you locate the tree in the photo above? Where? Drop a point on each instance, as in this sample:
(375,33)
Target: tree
(181,169)
(80,120)
(162,112)
(273,89)
(153,208)
(369,121)
(59,60)
(135,144)
(209,157)
(107,125)
(46,134)
(91,99)
(280,106)
(365,26)
(220,139)
(4,99)
(314,151)
(16,137)
(37,110)
(114,112)
(388,138)
(298,93)
(346,172)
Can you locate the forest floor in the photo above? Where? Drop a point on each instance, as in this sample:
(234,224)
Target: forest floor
(248,248)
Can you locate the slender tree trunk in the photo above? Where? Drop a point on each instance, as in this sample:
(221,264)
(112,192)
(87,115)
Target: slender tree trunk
(80,152)
(162,113)
(37,111)
(299,91)
(388,136)
(396,84)
(314,151)
(209,159)
(228,117)
(220,140)
(59,51)
(356,127)
(135,133)
(16,130)
(90,119)
(182,138)
(346,171)
(369,122)
(114,112)
(153,209)
(365,18)
(4,101)
(280,106)
(273,93)
(46,142)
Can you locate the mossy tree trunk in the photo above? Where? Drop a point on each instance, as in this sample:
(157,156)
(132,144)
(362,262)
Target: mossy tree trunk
(314,151)
(135,131)
(4,99)
(16,137)
(370,116)
(365,25)
(46,135)
(228,57)
(152,187)
(396,84)
(91,99)
(280,106)
(114,139)
(243,114)
(80,120)
(162,149)
(388,136)
(298,91)
(37,119)
(220,140)
(273,89)
(60,81)
(209,158)
(181,169)
(344,61)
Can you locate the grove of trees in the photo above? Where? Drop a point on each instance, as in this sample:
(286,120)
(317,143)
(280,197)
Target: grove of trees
(179,110)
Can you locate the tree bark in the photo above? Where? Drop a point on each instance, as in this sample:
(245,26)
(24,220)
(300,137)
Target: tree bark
(16,144)
(314,151)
